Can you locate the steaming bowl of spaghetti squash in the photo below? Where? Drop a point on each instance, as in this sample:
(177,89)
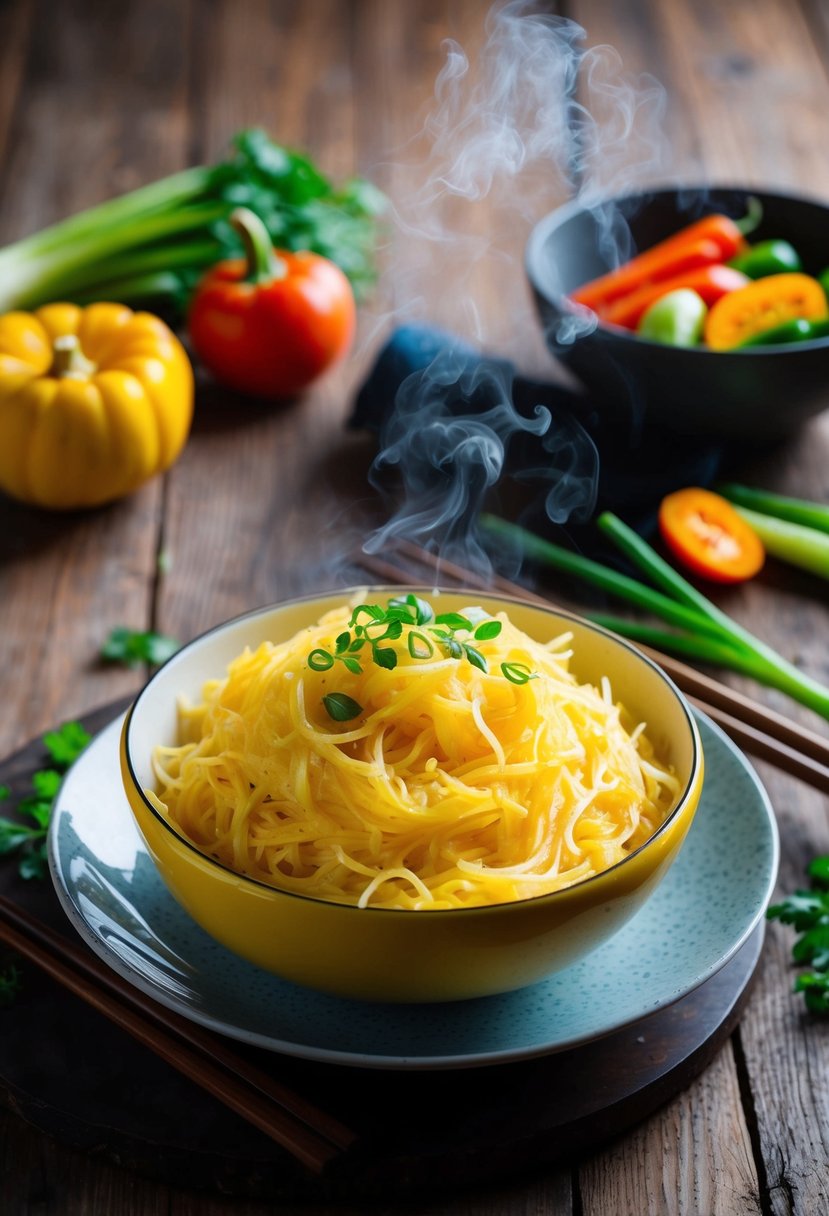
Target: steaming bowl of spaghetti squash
(400,795)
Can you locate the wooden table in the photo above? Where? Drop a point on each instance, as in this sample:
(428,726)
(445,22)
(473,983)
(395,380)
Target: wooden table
(265,503)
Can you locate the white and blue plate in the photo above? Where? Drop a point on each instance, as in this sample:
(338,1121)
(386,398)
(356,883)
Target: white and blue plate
(712,899)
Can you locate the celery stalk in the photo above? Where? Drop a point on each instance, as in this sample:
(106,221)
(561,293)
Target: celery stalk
(792,543)
(177,227)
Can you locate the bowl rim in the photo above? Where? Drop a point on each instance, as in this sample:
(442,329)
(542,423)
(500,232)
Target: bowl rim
(694,776)
(553,220)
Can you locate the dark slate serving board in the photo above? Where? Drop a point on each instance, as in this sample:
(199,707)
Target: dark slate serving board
(67,1070)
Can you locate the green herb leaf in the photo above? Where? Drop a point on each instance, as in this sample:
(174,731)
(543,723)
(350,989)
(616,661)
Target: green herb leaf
(808,913)
(46,782)
(66,743)
(815,988)
(33,864)
(63,745)
(5,793)
(38,806)
(813,947)
(421,610)
(818,871)
(11,982)
(14,835)
(454,620)
(340,707)
(475,657)
(372,625)
(134,647)
(487,630)
(802,909)
(391,630)
(373,611)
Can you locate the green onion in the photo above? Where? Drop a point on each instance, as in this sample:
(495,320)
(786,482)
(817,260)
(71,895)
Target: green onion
(710,635)
(793,543)
(155,243)
(600,576)
(796,510)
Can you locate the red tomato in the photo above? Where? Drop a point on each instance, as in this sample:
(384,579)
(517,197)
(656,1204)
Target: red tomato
(709,537)
(271,324)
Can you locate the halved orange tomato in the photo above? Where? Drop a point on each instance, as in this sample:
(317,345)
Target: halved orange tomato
(709,537)
(741,315)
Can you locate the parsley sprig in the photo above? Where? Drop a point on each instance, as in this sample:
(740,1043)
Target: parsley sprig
(132,647)
(371,625)
(26,835)
(808,912)
(11,980)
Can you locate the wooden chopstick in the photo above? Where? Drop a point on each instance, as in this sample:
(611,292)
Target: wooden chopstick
(311,1135)
(760,731)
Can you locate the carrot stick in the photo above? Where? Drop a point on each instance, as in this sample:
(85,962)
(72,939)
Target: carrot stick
(656,264)
(710,282)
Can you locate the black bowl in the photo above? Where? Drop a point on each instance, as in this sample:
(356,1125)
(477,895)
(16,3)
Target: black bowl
(757,394)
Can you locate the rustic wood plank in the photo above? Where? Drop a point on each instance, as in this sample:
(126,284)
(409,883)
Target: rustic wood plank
(102,108)
(15,31)
(254,513)
(688,1158)
(253,518)
(67,579)
(746,97)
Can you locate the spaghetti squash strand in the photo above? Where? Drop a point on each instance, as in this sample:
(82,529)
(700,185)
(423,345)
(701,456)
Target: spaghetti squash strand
(452,788)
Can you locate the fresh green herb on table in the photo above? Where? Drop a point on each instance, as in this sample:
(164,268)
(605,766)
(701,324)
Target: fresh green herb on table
(370,625)
(152,246)
(26,836)
(808,912)
(134,647)
(11,980)
(706,633)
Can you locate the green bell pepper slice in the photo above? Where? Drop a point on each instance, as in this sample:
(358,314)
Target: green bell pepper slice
(793,331)
(767,257)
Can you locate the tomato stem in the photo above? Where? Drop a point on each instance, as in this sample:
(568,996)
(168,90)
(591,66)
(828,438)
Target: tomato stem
(263,265)
(68,360)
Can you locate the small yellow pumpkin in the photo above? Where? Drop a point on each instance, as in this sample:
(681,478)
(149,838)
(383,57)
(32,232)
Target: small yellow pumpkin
(93,402)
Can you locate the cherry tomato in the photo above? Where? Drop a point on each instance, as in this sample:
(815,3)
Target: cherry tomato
(273,323)
(709,537)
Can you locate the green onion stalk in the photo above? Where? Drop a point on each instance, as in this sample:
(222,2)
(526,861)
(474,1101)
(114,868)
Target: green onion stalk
(707,634)
(791,529)
(151,246)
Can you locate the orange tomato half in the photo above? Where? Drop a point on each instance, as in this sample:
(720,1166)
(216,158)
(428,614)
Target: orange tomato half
(709,537)
(764,304)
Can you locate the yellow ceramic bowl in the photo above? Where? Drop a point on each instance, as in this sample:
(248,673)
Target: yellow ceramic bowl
(388,955)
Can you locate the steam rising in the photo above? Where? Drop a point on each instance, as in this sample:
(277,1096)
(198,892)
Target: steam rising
(534,119)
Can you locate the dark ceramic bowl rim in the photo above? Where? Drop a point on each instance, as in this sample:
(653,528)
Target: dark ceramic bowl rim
(550,896)
(555,219)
